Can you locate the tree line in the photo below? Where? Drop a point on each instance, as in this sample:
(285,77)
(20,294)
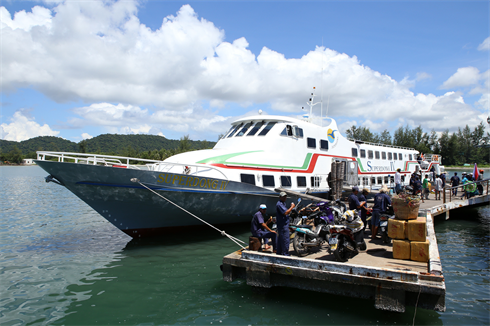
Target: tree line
(137,146)
(457,148)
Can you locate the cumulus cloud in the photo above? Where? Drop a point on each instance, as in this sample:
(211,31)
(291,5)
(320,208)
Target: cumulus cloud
(23,127)
(485,46)
(99,52)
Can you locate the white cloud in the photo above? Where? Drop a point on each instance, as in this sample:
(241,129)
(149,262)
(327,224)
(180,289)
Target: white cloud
(23,127)
(86,136)
(485,46)
(467,76)
(99,52)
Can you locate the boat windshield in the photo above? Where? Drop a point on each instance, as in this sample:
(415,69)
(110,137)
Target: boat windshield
(244,130)
(234,130)
(256,128)
(267,129)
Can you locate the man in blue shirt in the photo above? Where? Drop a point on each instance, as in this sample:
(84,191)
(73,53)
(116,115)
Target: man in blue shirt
(354,203)
(381,202)
(364,207)
(455,183)
(282,221)
(260,229)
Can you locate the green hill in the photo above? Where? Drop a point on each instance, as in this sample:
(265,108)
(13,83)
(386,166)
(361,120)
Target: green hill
(143,146)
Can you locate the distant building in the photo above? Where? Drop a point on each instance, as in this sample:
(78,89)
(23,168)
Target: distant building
(28,161)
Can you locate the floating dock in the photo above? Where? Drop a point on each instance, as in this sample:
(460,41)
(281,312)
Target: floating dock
(372,274)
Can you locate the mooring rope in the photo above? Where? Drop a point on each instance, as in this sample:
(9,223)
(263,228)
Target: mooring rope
(416,304)
(223,233)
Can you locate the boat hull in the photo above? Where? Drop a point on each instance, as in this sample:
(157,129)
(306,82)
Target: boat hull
(140,212)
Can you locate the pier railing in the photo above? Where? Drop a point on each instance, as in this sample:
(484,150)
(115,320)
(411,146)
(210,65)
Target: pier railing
(485,183)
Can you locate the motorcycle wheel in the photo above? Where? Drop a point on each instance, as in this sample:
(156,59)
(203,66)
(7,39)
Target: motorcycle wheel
(386,239)
(298,244)
(341,253)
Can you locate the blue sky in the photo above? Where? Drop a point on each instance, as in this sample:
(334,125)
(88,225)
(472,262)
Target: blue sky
(80,69)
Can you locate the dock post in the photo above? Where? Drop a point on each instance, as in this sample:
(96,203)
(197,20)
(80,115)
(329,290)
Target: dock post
(444,195)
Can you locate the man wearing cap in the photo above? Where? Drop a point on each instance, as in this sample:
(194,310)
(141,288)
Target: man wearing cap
(398,181)
(260,229)
(364,207)
(282,220)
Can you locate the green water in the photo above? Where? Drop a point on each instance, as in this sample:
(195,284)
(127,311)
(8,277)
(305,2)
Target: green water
(63,264)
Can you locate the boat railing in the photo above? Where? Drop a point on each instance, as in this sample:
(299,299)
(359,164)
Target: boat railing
(447,192)
(357,141)
(126,162)
(94,159)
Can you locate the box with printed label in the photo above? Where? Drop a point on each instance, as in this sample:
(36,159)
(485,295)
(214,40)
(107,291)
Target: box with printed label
(396,229)
(417,229)
(419,251)
(401,249)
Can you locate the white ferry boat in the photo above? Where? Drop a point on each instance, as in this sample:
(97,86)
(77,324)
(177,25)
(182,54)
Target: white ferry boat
(226,184)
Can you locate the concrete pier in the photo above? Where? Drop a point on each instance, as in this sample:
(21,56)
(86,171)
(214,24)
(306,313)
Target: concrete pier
(372,274)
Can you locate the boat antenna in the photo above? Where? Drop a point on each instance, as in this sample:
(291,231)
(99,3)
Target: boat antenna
(321,99)
(310,102)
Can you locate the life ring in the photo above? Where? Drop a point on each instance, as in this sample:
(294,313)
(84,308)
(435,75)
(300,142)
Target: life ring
(435,158)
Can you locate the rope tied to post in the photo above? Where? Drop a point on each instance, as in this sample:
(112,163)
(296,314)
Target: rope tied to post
(223,233)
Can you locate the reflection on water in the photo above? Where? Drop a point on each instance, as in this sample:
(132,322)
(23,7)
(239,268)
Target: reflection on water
(63,264)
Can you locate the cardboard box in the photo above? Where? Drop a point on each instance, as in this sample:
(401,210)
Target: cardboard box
(417,229)
(401,249)
(396,229)
(419,251)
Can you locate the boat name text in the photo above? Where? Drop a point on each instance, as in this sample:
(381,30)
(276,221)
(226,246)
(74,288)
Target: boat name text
(195,182)
(380,168)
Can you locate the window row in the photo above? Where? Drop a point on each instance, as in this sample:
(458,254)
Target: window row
(285,181)
(250,129)
(380,155)
(378,180)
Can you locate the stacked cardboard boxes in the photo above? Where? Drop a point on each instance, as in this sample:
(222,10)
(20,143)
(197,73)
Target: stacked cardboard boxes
(409,234)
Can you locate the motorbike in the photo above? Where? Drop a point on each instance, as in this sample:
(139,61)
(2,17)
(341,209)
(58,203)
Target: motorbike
(383,224)
(347,239)
(313,231)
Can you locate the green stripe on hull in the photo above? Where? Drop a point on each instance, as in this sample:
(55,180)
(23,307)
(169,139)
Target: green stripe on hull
(222,159)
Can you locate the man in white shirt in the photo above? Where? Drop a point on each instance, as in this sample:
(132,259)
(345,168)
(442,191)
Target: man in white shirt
(398,181)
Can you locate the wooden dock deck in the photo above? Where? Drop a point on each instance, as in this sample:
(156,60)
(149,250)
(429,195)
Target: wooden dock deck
(372,274)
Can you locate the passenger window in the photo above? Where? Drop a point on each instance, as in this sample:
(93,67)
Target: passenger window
(323,144)
(403,178)
(373,180)
(248,178)
(268,181)
(354,152)
(299,132)
(400,156)
(285,181)
(383,155)
(267,129)
(386,179)
(409,157)
(311,142)
(370,154)
(380,180)
(390,156)
(365,181)
(301,181)
(376,155)
(363,153)
(315,182)
(256,128)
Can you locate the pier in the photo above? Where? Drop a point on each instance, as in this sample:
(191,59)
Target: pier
(373,274)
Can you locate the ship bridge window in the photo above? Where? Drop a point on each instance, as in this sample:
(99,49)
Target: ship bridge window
(298,132)
(285,181)
(256,128)
(370,154)
(354,152)
(311,142)
(234,130)
(390,156)
(383,155)
(363,153)
(301,181)
(267,129)
(376,154)
(323,144)
(247,178)
(268,181)
(244,130)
